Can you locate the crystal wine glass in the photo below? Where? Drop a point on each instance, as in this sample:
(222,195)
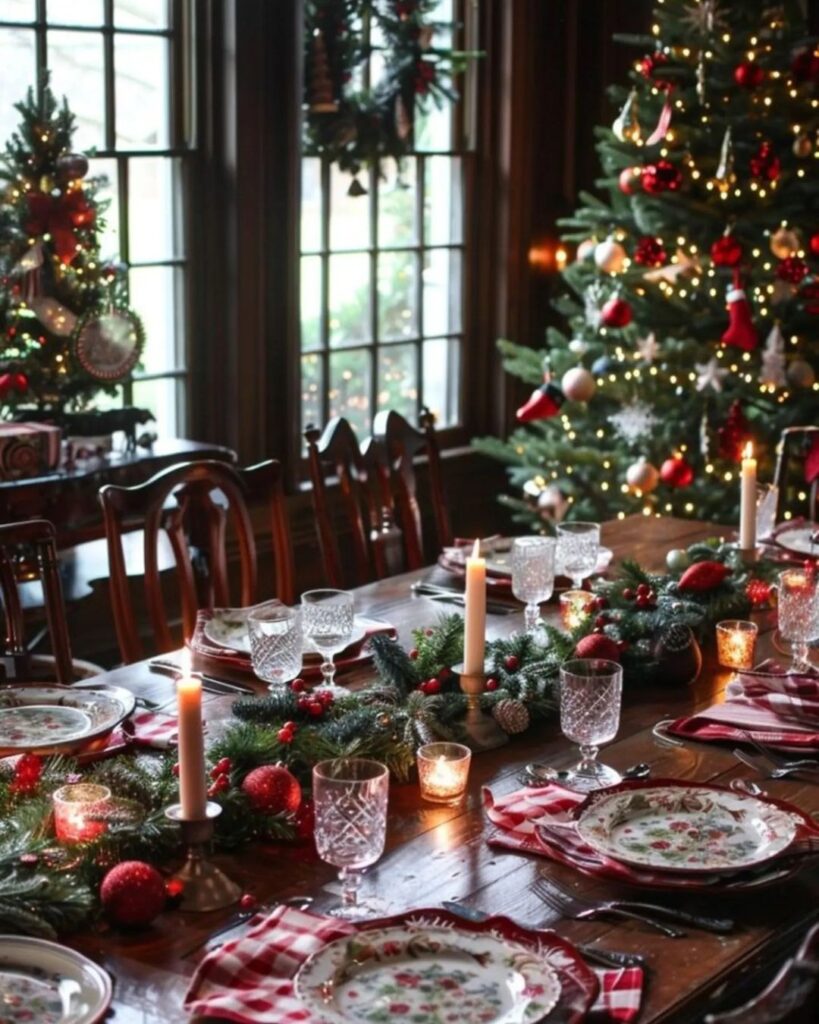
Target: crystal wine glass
(350,804)
(533,575)
(590,692)
(276,643)
(798,611)
(578,545)
(328,618)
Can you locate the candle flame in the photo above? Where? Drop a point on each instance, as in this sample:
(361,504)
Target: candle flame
(476,548)
(185,664)
(748,450)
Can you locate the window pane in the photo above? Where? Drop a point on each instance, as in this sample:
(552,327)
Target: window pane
(350,388)
(18,73)
(433,128)
(76,63)
(16,10)
(141,66)
(310,204)
(442,291)
(152,232)
(442,379)
(310,303)
(312,389)
(157,296)
(398,380)
(140,13)
(349,215)
(443,205)
(396,209)
(397,313)
(163,398)
(349,300)
(69,12)
(105,171)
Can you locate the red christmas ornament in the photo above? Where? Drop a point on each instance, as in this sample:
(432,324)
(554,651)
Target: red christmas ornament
(511,663)
(27,773)
(748,75)
(616,313)
(649,65)
(677,472)
(703,576)
(792,269)
(726,252)
(740,332)
(629,180)
(544,403)
(809,295)
(12,382)
(649,252)
(733,434)
(272,789)
(765,164)
(805,66)
(661,176)
(132,893)
(424,76)
(598,645)
(814,244)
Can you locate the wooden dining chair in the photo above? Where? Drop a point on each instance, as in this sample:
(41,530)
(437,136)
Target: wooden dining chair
(405,446)
(363,513)
(792,453)
(38,536)
(194,503)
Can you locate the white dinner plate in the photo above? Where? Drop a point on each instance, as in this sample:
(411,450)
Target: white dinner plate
(798,539)
(59,719)
(45,983)
(227,628)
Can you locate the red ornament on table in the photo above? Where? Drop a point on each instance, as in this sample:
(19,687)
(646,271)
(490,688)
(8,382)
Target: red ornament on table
(726,252)
(749,75)
(132,893)
(792,269)
(677,472)
(597,645)
(661,176)
(27,774)
(740,332)
(272,789)
(616,313)
(703,576)
(544,402)
(765,164)
(649,252)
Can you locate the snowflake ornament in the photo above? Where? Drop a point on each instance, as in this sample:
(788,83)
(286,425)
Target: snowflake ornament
(593,299)
(704,18)
(634,421)
(710,375)
(648,348)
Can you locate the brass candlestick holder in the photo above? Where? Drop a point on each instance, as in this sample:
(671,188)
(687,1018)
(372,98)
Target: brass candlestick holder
(483,732)
(205,887)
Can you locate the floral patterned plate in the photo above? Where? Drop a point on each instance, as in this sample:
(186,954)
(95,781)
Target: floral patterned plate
(691,828)
(59,719)
(430,966)
(46,983)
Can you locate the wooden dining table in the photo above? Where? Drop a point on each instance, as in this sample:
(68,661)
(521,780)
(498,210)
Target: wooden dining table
(435,853)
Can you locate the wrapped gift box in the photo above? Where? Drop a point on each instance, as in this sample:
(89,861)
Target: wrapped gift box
(28,449)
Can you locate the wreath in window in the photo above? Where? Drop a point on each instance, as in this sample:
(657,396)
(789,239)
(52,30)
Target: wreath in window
(354,120)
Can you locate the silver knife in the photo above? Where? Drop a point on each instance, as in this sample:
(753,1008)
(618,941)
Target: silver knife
(606,957)
(209,683)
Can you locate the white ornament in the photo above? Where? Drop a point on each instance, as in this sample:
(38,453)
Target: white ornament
(648,348)
(634,421)
(593,299)
(642,476)
(710,375)
(772,371)
(579,346)
(578,384)
(681,265)
(585,249)
(610,256)
(552,504)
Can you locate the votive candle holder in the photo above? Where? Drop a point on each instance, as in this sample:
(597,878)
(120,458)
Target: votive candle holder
(736,643)
(77,811)
(443,770)
(575,606)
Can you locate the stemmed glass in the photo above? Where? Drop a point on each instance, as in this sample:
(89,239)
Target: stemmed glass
(350,805)
(590,693)
(276,643)
(798,611)
(328,620)
(533,575)
(578,545)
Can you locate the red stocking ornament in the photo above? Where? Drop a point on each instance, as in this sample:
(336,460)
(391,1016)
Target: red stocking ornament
(741,332)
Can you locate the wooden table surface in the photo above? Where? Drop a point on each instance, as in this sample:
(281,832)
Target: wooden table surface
(440,853)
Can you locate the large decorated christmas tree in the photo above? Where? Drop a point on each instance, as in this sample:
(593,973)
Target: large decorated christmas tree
(65,330)
(692,307)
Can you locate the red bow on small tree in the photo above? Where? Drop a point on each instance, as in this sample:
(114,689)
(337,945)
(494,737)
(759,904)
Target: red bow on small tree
(59,216)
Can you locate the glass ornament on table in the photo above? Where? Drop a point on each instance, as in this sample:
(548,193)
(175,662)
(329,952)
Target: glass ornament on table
(590,696)
(578,547)
(350,805)
(533,575)
(276,643)
(328,621)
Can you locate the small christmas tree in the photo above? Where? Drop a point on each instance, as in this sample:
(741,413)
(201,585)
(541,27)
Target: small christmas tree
(708,243)
(65,330)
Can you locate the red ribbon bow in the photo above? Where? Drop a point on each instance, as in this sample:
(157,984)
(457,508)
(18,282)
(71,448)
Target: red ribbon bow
(59,216)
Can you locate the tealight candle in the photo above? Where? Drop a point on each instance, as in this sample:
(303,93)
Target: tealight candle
(575,605)
(736,643)
(77,811)
(443,769)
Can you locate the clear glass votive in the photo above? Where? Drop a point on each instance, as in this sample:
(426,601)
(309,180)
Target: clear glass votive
(575,605)
(736,643)
(443,770)
(77,808)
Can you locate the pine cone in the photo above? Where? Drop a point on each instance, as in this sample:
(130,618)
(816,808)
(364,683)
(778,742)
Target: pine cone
(511,715)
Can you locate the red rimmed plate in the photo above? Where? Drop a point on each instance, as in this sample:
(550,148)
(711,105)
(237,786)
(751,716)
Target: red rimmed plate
(551,964)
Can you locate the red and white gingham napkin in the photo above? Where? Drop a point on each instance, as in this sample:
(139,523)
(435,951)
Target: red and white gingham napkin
(250,979)
(790,696)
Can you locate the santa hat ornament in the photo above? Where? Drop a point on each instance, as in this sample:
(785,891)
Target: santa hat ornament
(741,332)
(544,403)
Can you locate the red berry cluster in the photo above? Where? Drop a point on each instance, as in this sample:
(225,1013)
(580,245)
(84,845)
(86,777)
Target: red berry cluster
(643,597)
(315,704)
(287,732)
(492,683)
(661,176)
(220,773)
(759,592)
(298,685)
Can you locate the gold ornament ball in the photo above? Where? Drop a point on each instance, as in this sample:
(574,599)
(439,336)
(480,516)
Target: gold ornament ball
(802,146)
(577,384)
(610,256)
(800,374)
(785,242)
(642,476)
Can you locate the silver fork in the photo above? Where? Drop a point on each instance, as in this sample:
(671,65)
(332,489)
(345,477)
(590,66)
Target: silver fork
(770,770)
(581,910)
(777,759)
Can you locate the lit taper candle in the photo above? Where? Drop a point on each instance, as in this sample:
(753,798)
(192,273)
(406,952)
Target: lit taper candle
(475,612)
(193,793)
(747,508)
